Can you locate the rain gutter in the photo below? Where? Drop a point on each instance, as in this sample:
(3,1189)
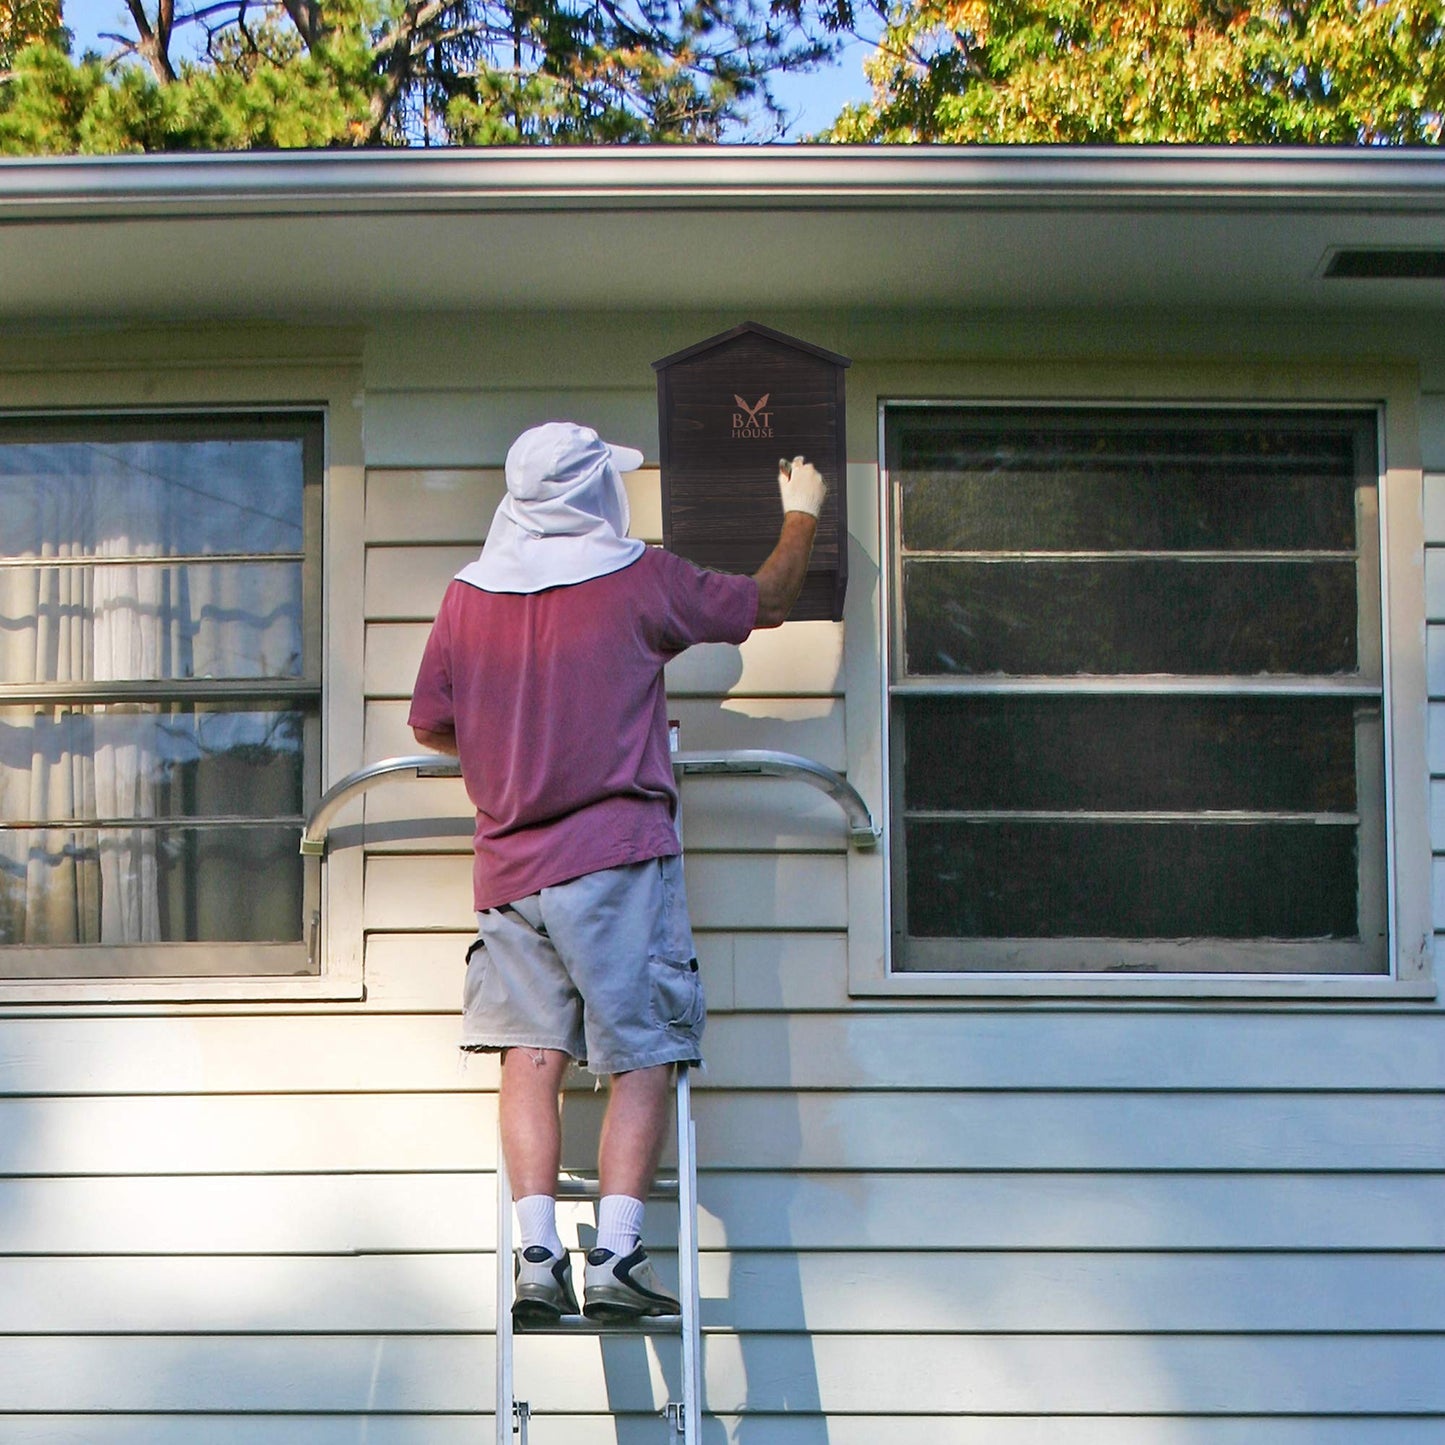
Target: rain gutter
(394,182)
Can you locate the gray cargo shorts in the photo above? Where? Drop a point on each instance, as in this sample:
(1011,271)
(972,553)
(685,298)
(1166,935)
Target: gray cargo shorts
(601,967)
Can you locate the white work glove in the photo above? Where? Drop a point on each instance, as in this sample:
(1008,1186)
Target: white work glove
(802,486)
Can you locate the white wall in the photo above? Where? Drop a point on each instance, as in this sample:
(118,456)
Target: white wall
(926,1222)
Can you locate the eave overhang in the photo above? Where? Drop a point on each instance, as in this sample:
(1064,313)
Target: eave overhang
(988,228)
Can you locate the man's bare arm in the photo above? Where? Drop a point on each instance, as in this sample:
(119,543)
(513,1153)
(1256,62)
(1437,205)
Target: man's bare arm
(438,742)
(781,576)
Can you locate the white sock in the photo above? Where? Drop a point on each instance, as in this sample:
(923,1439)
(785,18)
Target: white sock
(619,1223)
(537,1222)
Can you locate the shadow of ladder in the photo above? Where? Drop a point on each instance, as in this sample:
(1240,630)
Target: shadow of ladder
(683,1416)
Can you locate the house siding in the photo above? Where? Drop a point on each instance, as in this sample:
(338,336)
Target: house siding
(923,1221)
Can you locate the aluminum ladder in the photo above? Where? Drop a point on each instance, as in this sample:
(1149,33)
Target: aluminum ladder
(685,1415)
(512,1414)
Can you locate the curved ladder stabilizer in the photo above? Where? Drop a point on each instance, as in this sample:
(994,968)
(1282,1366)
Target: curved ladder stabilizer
(735,762)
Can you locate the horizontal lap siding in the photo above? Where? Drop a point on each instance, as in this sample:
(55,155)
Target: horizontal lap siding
(781,1429)
(751,970)
(930,1223)
(1149,1053)
(742,1129)
(1107,1211)
(844,1374)
(787,1429)
(724,891)
(894,1291)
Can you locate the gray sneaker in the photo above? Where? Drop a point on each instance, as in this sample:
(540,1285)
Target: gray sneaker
(543,1291)
(623,1288)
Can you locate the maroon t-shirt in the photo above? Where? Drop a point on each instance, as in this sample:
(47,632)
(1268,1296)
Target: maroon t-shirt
(557,701)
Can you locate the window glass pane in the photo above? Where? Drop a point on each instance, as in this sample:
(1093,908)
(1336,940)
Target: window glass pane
(151,621)
(149,761)
(1092,481)
(1140,615)
(160,884)
(152,497)
(1133,753)
(150,882)
(1089,544)
(1051,879)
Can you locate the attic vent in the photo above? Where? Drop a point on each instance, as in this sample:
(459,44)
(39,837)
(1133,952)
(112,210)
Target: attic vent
(1380,265)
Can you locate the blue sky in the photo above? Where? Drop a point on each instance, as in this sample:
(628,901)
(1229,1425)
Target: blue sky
(816,98)
(820,96)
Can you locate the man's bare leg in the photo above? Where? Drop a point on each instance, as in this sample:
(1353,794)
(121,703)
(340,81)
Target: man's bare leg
(531,1118)
(531,1126)
(621,1281)
(634,1130)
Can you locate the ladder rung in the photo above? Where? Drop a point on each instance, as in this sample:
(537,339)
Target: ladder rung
(585,1186)
(581,1325)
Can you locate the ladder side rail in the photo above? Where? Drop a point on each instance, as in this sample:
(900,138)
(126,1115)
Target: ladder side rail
(506,1398)
(687,1284)
(687,1268)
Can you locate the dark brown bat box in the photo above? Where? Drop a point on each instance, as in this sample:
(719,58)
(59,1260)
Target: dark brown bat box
(727,410)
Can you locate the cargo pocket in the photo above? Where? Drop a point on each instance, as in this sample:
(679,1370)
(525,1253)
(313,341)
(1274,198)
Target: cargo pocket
(481,987)
(677,1001)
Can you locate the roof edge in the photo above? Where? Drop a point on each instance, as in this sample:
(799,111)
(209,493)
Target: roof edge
(751,328)
(731,177)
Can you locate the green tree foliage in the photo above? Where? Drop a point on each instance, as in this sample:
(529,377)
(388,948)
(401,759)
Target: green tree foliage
(1310,71)
(26,22)
(234,74)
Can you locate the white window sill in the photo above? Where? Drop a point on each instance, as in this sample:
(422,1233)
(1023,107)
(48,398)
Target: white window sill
(19,993)
(1115,988)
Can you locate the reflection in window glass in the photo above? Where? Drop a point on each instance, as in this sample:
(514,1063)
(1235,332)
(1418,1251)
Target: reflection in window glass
(1124,482)
(1129,614)
(151,498)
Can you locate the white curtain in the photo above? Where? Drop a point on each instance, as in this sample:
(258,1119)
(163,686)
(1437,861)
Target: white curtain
(130,627)
(80,624)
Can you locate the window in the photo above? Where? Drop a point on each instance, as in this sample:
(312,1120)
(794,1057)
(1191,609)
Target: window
(160,703)
(1136,691)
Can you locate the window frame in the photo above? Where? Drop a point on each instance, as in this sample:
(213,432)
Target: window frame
(208,390)
(1401,602)
(194,958)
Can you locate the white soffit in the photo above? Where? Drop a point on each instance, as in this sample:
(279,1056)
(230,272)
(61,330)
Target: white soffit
(320,235)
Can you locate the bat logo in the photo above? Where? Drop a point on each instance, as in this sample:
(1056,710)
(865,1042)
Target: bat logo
(751,420)
(753,410)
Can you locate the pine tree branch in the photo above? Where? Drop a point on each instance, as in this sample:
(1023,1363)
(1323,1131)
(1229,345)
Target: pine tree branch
(410,24)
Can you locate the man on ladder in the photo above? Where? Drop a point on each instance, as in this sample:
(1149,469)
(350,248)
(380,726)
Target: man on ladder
(543,674)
